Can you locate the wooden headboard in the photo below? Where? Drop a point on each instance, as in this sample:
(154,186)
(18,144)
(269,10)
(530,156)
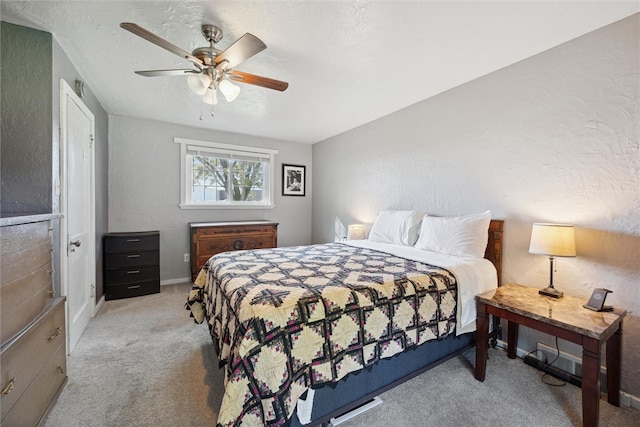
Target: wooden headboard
(494,246)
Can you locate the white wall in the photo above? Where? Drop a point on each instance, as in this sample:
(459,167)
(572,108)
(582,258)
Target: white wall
(144,188)
(553,138)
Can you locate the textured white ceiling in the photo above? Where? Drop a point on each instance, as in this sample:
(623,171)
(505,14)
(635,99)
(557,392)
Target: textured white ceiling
(347,62)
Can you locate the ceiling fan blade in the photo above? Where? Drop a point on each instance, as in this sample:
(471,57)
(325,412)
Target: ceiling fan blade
(252,79)
(159,41)
(164,73)
(243,48)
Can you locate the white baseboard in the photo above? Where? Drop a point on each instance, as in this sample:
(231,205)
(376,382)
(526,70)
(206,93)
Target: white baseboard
(175,281)
(98,306)
(519,352)
(626,399)
(629,400)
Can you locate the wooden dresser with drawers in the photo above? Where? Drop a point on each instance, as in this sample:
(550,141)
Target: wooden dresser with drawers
(210,238)
(33,363)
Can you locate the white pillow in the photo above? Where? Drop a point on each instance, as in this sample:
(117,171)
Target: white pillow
(465,236)
(396,227)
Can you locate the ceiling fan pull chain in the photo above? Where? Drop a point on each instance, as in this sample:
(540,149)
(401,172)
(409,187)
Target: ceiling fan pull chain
(201,106)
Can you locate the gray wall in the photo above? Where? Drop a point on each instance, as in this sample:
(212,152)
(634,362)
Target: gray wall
(64,69)
(553,138)
(30,145)
(25,144)
(144,188)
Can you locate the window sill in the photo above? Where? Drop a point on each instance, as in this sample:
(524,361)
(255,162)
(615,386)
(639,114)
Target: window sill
(195,206)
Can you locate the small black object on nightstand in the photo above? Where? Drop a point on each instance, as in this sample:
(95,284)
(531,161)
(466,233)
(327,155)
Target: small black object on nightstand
(596,301)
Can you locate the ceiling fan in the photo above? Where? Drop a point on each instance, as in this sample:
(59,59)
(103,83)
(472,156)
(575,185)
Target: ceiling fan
(214,68)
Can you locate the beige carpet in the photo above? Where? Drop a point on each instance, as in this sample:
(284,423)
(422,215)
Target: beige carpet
(143,362)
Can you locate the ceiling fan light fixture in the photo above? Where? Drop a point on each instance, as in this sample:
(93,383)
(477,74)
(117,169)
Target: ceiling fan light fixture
(229,90)
(199,83)
(213,66)
(210,96)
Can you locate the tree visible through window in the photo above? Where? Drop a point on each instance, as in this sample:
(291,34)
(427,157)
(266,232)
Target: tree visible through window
(225,175)
(215,178)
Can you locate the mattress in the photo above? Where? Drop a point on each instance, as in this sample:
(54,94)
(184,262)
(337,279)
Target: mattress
(287,319)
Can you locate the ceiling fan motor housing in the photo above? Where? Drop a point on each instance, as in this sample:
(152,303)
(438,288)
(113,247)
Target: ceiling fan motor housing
(208,54)
(212,33)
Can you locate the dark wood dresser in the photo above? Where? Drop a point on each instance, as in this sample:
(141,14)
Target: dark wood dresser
(131,264)
(210,238)
(33,355)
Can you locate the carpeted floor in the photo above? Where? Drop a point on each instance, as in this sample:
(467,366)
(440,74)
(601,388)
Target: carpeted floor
(143,362)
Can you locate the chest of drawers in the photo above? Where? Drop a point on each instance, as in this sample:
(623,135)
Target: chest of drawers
(210,238)
(33,367)
(131,264)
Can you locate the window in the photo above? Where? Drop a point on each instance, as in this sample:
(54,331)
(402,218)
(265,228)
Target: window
(222,175)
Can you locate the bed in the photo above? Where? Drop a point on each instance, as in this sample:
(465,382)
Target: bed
(307,333)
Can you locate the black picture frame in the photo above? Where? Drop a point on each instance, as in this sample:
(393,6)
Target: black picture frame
(293,180)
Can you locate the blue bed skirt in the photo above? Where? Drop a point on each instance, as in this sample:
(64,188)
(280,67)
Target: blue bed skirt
(355,389)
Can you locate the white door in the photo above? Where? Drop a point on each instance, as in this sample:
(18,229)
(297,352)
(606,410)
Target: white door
(77,235)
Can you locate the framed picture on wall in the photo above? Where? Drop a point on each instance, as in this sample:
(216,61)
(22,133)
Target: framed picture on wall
(293,180)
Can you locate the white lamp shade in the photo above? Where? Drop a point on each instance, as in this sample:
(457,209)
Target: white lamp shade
(229,90)
(210,96)
(356,232)
(553,240)
(199,83)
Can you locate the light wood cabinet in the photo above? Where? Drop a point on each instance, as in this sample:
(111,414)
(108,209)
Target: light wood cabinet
(210,238)
(33,367)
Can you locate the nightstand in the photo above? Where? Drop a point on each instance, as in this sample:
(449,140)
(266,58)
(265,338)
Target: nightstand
(564,318)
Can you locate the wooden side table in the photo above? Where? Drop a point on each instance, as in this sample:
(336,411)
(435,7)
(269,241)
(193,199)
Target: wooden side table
(564,318)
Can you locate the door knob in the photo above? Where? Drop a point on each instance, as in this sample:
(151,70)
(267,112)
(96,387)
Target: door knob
(76,243)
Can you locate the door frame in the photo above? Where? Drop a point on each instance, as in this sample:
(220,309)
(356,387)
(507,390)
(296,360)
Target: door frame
(66,94)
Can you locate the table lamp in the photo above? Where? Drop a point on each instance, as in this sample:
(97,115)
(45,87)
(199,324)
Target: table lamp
(356,232)
(552,240)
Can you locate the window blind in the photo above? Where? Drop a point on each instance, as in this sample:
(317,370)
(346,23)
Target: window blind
(227,154)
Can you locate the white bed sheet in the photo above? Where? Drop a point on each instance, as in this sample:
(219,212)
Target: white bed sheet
(474,276)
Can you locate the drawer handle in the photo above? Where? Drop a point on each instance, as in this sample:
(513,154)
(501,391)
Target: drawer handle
(133,240)
(61,370)
(133,256)
(55,333)
(133,272)
(238,244)
(9,388)
(133,287)
(52,293)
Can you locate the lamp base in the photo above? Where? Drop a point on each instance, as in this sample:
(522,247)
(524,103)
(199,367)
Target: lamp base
(551,292)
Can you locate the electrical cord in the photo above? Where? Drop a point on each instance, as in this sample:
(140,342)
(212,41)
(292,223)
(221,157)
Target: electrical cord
(547,366)
(547,373)
(546,362)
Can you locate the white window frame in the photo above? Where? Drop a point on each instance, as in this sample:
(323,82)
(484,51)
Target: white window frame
(216,147)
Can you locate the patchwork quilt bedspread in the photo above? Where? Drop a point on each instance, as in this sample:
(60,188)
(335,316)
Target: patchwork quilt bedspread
(287,319)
